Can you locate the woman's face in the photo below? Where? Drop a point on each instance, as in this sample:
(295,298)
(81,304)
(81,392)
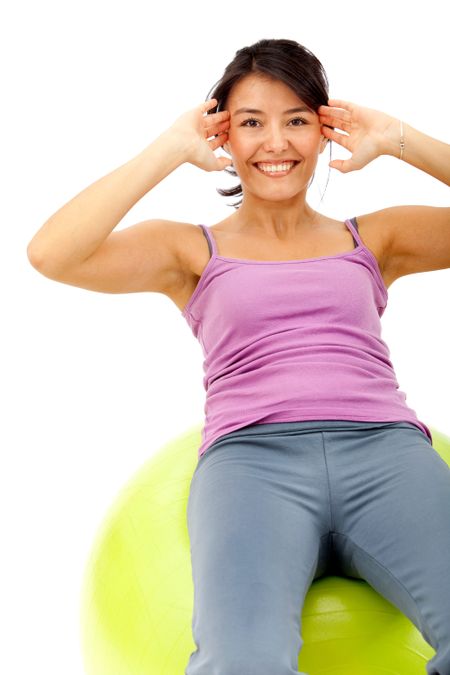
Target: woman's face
(272,135)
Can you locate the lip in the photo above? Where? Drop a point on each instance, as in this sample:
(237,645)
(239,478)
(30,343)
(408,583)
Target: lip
(276,161)
(277,174)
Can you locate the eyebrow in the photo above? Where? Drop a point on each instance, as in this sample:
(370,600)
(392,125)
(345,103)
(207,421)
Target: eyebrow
(261,112)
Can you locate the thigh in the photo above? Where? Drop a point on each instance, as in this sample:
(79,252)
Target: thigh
(391,501)
(256,528)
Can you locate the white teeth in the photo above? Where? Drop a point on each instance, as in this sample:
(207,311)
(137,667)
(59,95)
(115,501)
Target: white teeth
(272,168)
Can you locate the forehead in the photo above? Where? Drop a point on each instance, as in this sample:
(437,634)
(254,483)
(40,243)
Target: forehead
(253,89)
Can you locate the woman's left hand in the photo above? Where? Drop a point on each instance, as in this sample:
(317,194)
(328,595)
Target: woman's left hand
(369,132)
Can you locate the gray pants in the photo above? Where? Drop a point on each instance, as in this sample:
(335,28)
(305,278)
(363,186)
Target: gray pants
(274,506)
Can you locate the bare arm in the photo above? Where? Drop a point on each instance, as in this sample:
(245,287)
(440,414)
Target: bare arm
(77,229)
(76,245)
(424,152)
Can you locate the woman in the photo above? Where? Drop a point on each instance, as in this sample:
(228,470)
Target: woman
(311,461)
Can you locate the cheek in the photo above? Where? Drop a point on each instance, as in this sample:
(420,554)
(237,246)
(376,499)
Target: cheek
(308,147)
(237,139)
(241,149)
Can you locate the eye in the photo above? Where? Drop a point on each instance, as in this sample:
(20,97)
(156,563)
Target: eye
(253,119)
(301,120)
(250,119)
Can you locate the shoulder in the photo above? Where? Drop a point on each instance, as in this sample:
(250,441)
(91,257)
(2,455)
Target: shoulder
(177,241)
(373,225)
(416,237)
(188,242)
(374,233)
(188,236)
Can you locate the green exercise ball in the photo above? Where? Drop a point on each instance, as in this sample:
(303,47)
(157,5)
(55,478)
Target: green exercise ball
(137,590)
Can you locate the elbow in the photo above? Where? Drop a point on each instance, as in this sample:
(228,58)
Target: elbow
(35,257)
(40,262)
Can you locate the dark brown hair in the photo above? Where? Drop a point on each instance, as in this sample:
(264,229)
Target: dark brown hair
(277,59)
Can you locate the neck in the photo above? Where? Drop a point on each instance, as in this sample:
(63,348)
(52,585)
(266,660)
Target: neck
(276,220)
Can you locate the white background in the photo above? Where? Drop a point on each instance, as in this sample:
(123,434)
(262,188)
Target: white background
(92,383)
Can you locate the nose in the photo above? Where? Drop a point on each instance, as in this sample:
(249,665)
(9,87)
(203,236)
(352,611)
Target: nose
(275,140)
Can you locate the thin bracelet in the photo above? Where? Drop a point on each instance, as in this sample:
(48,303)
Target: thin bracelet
(402,140)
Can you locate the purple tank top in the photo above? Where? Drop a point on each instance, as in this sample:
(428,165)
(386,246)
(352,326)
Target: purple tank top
(294,340)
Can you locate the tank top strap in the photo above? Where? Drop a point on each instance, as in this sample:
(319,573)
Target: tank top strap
(351,223)
(210,239)
(353,227)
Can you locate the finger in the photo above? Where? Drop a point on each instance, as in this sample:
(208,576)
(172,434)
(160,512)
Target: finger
(216,128)
(224,162)
(338,113)
(340,103)
(216,118)
(336,121)
(342,165)
(342,139)
(208,105)
(218,141)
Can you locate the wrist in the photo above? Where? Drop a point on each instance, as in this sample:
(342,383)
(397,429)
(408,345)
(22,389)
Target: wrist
(170,147)
(392,141)
(179,143)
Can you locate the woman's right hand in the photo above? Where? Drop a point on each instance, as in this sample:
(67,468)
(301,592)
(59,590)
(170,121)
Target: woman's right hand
(194,127)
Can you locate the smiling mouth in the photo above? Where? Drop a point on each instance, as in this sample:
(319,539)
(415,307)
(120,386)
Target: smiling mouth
(276,174)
